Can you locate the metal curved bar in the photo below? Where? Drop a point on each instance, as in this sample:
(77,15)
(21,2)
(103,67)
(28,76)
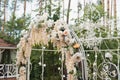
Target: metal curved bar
(109,70)
(81,50)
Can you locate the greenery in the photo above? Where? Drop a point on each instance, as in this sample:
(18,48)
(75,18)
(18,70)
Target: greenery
(51,59)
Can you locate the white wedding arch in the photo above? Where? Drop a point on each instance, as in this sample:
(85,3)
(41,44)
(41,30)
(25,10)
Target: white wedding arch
(42,30)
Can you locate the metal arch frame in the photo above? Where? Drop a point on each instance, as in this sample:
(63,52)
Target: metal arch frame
(116,49)
(84,50)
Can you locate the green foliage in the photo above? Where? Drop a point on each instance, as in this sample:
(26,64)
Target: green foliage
(6,58)
(71,72)
(108,44)
(51,59)
(7,38)
(93,12)
(13,28)
(56,14)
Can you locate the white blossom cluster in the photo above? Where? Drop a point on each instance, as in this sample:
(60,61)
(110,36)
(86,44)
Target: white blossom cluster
(87,33)
(60,35)
(70,63)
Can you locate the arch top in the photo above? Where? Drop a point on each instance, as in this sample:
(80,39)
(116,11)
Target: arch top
(42,30)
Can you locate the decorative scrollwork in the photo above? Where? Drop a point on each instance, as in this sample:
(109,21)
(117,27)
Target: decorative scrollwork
(107,70)
(7,70)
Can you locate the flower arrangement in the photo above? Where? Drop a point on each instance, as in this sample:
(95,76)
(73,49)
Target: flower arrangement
(41,31)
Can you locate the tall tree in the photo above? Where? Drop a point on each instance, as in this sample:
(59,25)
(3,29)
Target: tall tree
(25,5)
(63,9)
(24,8)
(108,8)
(40,6)
(79,8)
(103,5)
(0,14)
(15,6)
(111,7)
(24,14)
(0,5)
(4,11)
(115,11)
(68,11)
(115,16)
(84,5)
(50,7)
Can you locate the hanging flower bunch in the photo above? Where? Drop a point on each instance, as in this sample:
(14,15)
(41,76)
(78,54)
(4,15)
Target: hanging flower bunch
(70,63)
(36,34)
(22,72)
(61,37)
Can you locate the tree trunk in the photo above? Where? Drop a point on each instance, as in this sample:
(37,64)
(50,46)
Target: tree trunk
(115,11)
(50,8)
(0,15)
(104,10)
(24,14)
(111,8)
(103,4)
(68,11)
(15,5)
(79,6)
(4,11)
(45,6)
(40,6)
(111,13)
(63,9)
(59,4)
(0,9)
(108,8)
(115,16)
(84,3)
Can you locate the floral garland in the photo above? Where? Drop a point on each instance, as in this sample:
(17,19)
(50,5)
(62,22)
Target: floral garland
(41,31)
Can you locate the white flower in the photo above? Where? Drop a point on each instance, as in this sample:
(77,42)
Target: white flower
(23,32)
(22,70)
(59,24)
(72,41)
(31,25)
(49,23)
(45,16)
(53,34)
(76,57)
(108,55)
(26,36)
